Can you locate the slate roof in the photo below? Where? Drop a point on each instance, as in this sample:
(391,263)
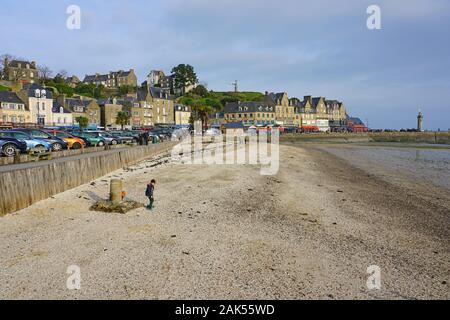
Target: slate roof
(156,91)
(15,64)
(96,78)
(233,125)
(244,107)
(141,95)
(10,97)
(57,106)
(356,121)
(31,88)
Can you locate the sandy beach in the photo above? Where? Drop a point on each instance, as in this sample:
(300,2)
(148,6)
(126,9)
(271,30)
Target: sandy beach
(226,232)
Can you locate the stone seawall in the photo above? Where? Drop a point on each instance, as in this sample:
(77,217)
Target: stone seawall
(22,187)
(442,137)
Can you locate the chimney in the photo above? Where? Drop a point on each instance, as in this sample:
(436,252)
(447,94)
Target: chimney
(267,93)
(61,99)
(33,64)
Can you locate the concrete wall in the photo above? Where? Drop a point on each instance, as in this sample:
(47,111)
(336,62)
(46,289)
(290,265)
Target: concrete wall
(59,154)
(21,188)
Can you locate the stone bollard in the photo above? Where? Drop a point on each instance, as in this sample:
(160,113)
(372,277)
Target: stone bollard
(115,194)
(17,157)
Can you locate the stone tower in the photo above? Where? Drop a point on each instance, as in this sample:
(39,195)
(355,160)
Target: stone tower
(420,122)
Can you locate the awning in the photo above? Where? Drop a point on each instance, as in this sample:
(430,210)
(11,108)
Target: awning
(310,128)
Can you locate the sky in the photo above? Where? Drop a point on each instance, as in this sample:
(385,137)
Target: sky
(319,48)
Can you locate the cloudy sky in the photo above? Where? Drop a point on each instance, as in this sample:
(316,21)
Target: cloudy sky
(320,47)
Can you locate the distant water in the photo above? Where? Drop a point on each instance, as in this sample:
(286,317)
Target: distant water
(427,164)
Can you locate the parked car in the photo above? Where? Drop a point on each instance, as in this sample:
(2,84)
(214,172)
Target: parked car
(94,140)
(30,142)
(72,141)
(109,139)
(57,143)
(9,146)
(124,136)
(213,132)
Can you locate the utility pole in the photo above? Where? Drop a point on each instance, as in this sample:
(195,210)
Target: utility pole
(235,85)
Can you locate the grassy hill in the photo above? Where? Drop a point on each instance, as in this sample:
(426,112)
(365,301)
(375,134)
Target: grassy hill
(217,100)
(3,88)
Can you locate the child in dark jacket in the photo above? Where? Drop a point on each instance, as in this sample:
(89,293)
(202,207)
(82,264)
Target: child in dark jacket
(149,193)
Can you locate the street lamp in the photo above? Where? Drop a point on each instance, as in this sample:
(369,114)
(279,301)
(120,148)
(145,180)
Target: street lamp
(40,94)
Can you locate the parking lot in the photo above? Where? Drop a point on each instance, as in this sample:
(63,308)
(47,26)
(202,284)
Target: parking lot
(28,144)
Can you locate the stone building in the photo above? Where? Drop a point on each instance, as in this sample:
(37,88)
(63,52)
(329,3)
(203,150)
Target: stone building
(113,80)
(109,108)
(322,118)
(72,81)
(20,71)
(182,114)
(162,105)
(145,102)
(132,106)
(284,111)
(61,115)
(81,107)
(12,109)
(337,115)
(40,103)
(250,113)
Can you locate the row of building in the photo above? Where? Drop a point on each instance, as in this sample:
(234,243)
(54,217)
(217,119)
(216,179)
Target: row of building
(309,114)
(153,103)
(27,72)
(36,105)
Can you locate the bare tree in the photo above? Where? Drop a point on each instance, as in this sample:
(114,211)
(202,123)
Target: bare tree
(45,72)
(4,60)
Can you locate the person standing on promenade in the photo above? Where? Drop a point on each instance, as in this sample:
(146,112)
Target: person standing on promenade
(146,136)
(149,193)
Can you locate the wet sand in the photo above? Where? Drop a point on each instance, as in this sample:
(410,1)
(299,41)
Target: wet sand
(226,232)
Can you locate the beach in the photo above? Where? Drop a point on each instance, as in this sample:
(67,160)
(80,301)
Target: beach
(227,232)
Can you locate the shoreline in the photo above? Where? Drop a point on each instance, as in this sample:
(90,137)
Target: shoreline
(225,232)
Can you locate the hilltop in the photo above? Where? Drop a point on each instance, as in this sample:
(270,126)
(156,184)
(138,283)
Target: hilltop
(217,99)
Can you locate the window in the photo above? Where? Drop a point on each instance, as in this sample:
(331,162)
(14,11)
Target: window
(62,134)
(38,133)
(43,106)
(61,110)
(20,135)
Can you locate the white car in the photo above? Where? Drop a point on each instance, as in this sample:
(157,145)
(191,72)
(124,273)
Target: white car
(213,132)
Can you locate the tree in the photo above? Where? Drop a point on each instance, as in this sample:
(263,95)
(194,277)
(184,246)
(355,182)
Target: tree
(183,76)
(122,118)
(202,112)
(44,72)
(83,122)
(124,90)
(200,91)
(60,77)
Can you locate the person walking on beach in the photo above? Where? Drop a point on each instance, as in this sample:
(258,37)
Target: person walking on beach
(149,193)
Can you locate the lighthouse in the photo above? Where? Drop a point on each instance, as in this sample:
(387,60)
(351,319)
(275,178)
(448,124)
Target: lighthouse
(420,122)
